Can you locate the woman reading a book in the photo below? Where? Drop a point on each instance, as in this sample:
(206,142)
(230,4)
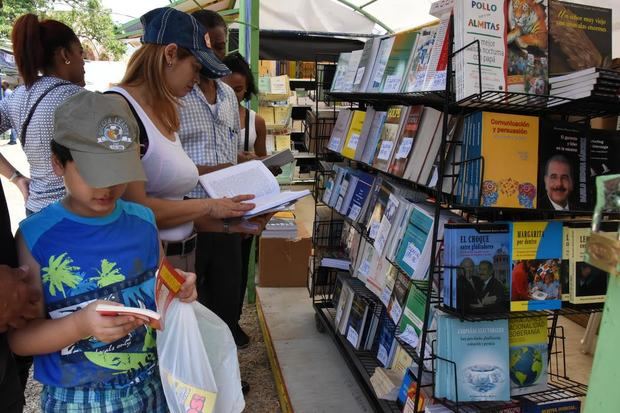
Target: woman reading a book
(163,70)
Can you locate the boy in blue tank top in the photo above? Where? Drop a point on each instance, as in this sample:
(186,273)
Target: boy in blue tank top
(88,247)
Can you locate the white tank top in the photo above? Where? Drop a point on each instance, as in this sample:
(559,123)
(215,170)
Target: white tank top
(252,136)
(170,173)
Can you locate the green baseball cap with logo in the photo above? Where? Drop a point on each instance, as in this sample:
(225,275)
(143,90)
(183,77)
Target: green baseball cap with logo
(102,135)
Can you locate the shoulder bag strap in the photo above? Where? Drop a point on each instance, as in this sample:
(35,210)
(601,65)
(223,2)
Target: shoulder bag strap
(22,136)
(246,145)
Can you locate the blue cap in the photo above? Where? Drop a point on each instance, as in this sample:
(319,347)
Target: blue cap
(166,25)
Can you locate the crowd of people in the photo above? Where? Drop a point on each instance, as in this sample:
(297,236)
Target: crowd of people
(113,188)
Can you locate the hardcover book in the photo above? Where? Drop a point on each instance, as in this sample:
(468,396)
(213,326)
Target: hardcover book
(535,257)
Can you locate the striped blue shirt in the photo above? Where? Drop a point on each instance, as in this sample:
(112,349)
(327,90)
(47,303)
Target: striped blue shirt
(209,133)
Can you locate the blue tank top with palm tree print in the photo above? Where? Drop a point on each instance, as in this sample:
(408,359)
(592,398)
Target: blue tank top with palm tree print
(84,259)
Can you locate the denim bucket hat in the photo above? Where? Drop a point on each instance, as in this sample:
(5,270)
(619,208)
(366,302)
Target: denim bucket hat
(166,25)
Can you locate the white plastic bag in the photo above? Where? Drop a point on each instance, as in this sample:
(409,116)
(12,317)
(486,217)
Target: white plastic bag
(186,374)
(222,354)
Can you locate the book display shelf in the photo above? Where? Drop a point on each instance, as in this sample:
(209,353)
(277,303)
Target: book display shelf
(325,282)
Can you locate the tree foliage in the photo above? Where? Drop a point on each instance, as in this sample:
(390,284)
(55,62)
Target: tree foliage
(88,18)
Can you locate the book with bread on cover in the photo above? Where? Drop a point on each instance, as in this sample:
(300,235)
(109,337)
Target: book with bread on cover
(250,177)
(167,285)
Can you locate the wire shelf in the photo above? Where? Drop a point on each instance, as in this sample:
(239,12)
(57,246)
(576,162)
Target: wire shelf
(567,310)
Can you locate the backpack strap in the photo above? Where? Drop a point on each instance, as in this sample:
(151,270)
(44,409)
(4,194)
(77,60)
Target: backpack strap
(143,138)
(22,135)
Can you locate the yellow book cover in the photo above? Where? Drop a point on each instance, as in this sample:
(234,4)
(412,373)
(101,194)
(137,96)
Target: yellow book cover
(509,148)
(528,354)
(353,135)
(267,113)
(402,361)
(283,142)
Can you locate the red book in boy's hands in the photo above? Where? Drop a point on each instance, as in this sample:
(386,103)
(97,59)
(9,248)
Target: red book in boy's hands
(152,318)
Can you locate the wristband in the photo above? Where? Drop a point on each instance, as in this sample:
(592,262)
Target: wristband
(16,174)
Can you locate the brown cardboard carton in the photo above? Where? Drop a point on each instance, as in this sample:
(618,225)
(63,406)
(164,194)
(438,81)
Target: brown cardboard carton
(284,262)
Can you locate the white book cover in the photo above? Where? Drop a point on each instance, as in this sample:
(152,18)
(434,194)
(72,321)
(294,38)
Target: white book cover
(483,21)
(253,178)
(339,132)
(383,55)
(437,64)
(420,59)
(349,75)
(366,65)
(341,69)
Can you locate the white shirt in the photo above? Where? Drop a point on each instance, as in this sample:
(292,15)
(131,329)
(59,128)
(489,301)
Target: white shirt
(558,207)
(169,171)
(251,136)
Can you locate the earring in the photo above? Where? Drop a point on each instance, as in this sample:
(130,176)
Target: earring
(67,62)
(169,64)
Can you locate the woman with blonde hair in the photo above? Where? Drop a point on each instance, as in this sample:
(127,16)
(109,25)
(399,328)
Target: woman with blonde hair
(164,69)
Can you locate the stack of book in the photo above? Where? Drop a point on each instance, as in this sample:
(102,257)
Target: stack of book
(594,84)
(281,225)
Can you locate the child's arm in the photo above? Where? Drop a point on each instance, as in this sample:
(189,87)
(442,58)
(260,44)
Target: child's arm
(43,336)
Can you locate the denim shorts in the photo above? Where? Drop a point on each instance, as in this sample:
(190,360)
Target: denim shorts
(144,397)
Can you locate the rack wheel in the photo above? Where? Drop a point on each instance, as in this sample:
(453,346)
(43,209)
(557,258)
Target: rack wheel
(320,327)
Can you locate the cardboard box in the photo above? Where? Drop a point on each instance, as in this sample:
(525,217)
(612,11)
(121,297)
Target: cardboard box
(284,262)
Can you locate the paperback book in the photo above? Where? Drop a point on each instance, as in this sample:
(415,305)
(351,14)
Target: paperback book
(528,355)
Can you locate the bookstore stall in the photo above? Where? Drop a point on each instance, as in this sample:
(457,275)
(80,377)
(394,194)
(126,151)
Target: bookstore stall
(466,200)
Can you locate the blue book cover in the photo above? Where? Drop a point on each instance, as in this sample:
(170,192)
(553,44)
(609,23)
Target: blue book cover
(480,351)
(385,340)
(413,254)
(536,263)
(360,193)
(480,282)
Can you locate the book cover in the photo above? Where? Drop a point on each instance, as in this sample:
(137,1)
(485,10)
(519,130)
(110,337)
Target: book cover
(339,132)
(603,158)
(426,146)
(349,74)
(588,284)
(378,70)
(387,221)
(420,58)
(353,134)
(357,320)
(385,344)
(567,242)
(402,361)
(435,78)
(527,46)
(388,138)
(413,253)
(374,133)
(398,61)
(580,37)
(380,203)
(363,137)
(535,257)
(480,351)
(360,194)
(509,148)
(344,308)
(563,167)
(405,141)
(528,355)
(477,273)
(341,70)
(412,321)
(483,21)
(399,295)
(367,62)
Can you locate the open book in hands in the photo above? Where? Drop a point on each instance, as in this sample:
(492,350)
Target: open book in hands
(167,285)
(250,177)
